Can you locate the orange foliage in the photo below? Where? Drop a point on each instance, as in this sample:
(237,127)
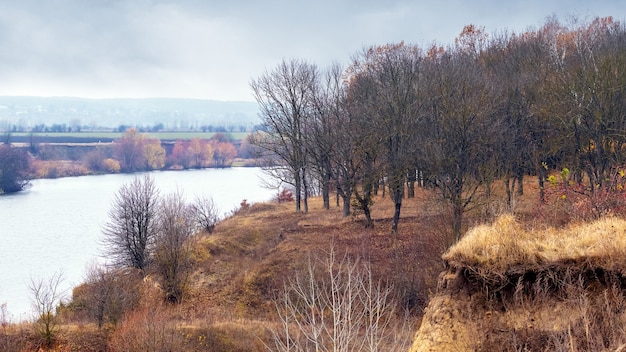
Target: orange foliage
(472,39)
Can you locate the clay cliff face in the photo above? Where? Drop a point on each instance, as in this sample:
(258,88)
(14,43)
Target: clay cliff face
(507,288)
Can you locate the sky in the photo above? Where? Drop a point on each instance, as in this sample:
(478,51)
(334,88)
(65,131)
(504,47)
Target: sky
(212,49)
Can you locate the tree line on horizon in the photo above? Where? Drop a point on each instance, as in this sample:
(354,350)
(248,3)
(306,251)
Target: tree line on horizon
(132,152)
(456,118)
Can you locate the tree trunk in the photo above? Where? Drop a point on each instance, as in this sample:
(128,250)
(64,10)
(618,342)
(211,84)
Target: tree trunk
(542,178)
(326,190)
(298,190)
(507,185)
(346,206)
(457,221)
(397,193)
(396,217)
(305,189)
(411,179)
(411,189)
(520,184)
(368,217)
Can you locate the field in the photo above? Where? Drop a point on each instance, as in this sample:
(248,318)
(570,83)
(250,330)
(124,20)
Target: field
(104,137)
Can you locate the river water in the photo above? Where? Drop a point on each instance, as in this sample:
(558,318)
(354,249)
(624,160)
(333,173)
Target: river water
(55,225)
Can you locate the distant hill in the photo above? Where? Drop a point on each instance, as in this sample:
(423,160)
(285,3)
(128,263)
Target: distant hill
(25,111)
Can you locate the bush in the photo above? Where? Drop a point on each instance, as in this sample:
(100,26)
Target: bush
(569,200)
(335,304)
(205,213)
(148,329)
(46,297)
(111,165)
(283,196)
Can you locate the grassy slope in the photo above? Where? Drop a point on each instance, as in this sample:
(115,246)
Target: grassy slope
(250,255)
(243,264)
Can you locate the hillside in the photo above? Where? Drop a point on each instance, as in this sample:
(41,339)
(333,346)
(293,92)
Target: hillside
(239,275)
(513,285)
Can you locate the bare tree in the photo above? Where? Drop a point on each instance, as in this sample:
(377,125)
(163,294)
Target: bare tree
(285,97)
(205,213)
(46,297)
(107,294)
(392,74)
(336,305)
(459,131)
(130,233)
(173,245)
(588,88)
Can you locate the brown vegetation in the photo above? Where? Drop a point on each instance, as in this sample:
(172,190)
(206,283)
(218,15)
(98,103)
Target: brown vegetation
(509,287)
(241,268)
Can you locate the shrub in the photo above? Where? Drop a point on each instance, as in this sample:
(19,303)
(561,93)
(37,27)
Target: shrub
(205,213)
(111,165)
(46,297)
(283,196)
(577,201)
(335,304)
(147,329)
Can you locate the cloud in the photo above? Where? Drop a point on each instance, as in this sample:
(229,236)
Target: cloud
(212,49)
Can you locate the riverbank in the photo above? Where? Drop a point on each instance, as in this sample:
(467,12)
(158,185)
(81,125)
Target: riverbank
(131,151)
(56,224)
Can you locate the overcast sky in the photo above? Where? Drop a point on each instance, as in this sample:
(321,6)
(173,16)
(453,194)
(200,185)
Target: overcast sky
(211,49)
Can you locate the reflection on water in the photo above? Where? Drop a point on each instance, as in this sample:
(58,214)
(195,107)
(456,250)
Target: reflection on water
(55,225)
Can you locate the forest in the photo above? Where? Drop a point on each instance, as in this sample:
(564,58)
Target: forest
(455,118)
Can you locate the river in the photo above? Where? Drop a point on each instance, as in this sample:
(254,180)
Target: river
(54,226)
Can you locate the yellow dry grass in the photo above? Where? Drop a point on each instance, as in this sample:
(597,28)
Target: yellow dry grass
(507,244)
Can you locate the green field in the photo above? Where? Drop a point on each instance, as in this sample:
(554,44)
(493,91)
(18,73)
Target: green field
(90,136)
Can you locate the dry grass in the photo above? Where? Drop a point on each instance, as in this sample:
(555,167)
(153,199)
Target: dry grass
(242,266)
(507,246)
(511,287)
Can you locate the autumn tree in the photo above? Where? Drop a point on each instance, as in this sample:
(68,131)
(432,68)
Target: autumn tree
(284,96)
(129,151)
(154,154)
(14,166)
(201,152)
(205,212)
(459,129)
(588,88)
(46,297)
(322,127)
(223,153)
(173,245)
(129,234)
(181,154)
(360,152)
(393,107)
(516,66)
(106,295)
(94,160)
(338,137)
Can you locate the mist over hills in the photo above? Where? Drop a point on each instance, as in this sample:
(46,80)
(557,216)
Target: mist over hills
(25,112)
